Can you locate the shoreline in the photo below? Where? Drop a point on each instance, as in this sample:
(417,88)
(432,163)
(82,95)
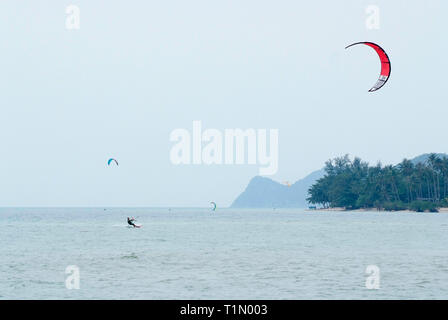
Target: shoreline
(342,209)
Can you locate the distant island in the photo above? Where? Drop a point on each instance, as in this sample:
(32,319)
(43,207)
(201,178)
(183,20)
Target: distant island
(419,184)
(263,192)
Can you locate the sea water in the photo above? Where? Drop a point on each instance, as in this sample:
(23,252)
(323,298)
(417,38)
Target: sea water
(225,254)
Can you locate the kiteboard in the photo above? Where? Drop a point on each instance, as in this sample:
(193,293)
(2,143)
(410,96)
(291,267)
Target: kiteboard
(136,226)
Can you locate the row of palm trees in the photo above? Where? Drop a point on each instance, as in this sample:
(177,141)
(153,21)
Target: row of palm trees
(354,184)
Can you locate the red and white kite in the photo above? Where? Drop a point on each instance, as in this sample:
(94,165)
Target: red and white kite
(385,64)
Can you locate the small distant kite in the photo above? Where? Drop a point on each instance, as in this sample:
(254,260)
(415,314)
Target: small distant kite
(287,183)
(385,64)
(214,206)
(112,160)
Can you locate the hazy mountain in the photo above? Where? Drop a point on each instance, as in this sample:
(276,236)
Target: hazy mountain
(266,193)
(263,192)
(424,157)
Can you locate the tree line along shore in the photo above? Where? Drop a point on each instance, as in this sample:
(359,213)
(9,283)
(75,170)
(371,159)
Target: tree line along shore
(354,184)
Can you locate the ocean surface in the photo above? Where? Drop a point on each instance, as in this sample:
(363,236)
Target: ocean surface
(226,254)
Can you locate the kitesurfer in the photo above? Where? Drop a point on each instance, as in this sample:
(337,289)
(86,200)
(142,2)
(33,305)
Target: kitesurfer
(131,222)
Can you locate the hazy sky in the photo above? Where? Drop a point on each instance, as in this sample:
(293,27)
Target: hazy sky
(137,70)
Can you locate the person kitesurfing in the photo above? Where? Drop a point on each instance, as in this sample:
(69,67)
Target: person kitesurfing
(131,222)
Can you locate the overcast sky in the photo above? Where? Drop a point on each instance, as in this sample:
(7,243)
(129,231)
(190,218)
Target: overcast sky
(137,70)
